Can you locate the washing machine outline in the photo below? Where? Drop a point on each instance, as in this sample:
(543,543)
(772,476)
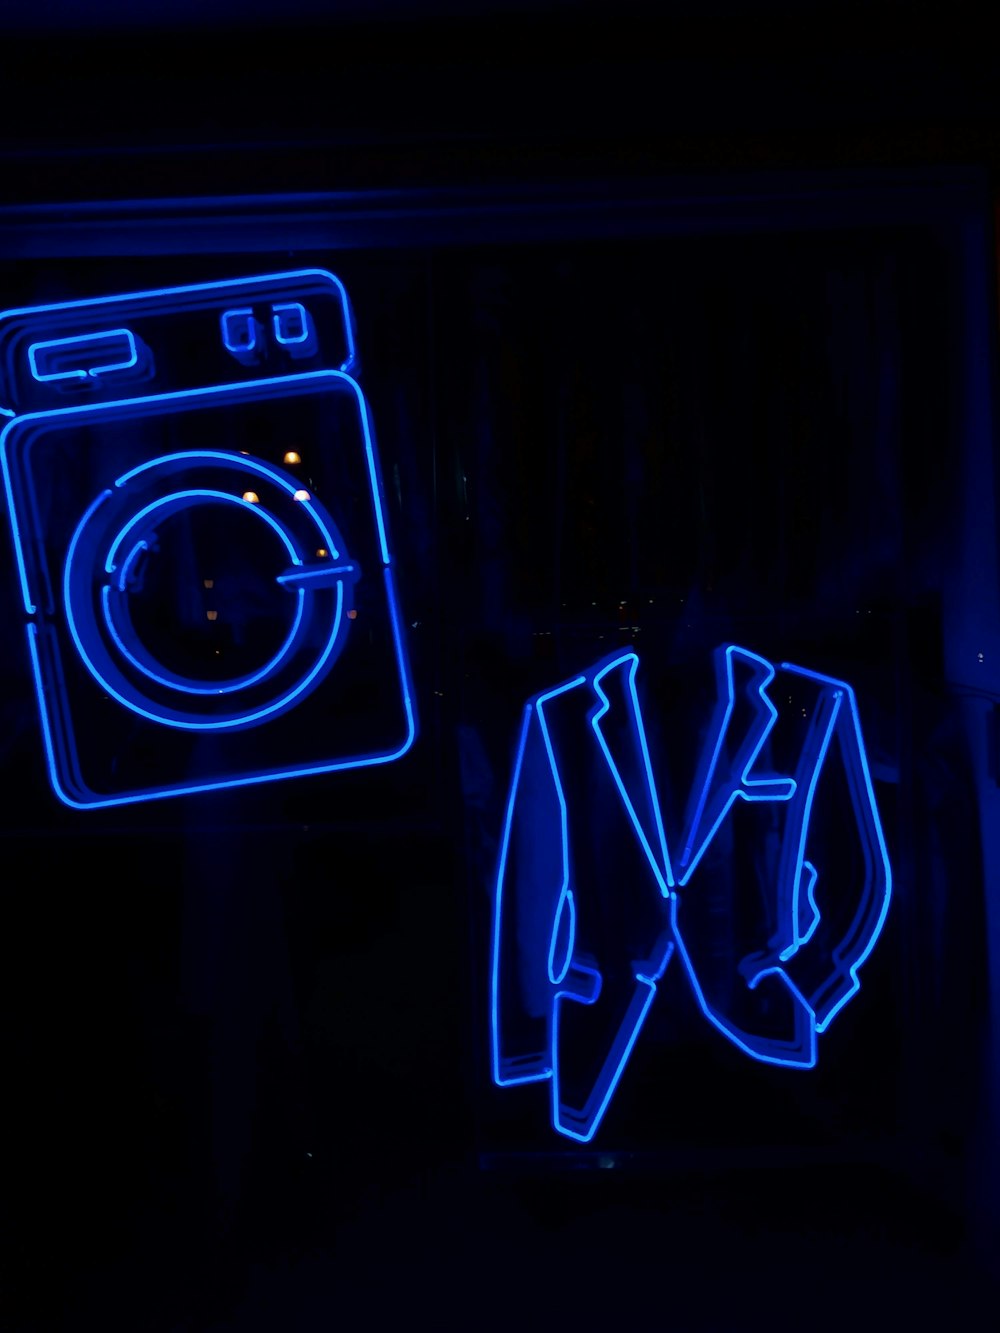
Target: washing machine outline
(200,537)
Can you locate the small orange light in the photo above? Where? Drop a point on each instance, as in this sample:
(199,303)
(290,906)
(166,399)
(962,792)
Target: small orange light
(352,614)
(212,615)
(321,551)
(251,497)
(209,583)
(292,457)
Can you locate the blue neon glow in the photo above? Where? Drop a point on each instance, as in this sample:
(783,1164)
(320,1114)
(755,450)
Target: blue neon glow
(171,680)
(804,932)
(791,915)
(563,937)
(96,615)
(737,784)
(734,768)
(116,609)
(238,391)
(170,504)
(532,718)
(584,1125)
(321,575)
(76,594)
(125,573)
(291,322)
(294,329)
(239,463)
(658,858)
(798,1051)
(798,922)
(167,298)
(873,908)
(240,334)
(500,1078)
(59,351)
(571,977)
(58,764)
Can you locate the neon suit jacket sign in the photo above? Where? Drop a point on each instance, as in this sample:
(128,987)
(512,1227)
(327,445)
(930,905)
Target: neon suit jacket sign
(591,906)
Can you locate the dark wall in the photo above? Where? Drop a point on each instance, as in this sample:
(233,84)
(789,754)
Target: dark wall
(675,333)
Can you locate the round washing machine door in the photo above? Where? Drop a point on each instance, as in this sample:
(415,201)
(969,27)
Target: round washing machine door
(207,590)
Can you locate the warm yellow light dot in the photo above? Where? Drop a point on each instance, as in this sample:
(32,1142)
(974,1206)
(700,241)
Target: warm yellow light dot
(321,551)
(292,457)
(212,615)
(209,583)
(301,495)
(352,615)
(251,497)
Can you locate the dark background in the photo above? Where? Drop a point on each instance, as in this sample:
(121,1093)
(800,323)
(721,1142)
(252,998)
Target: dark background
(678,325)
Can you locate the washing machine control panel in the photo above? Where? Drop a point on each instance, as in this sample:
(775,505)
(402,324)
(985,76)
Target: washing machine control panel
(173,340)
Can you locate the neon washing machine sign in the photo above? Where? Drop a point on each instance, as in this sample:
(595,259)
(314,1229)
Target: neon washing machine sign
(201,541)
(774,899)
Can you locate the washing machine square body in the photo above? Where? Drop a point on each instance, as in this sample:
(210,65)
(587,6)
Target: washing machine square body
(210,593)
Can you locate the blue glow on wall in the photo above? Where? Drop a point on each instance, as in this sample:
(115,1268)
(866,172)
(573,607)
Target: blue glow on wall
(200,536)
(590,907)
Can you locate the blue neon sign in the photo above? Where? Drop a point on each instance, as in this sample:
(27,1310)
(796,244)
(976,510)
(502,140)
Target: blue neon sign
(185,572)
(590,907)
